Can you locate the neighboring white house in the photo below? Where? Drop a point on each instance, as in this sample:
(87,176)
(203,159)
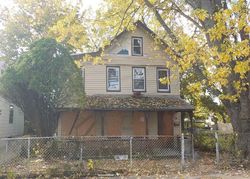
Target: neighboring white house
(11,118)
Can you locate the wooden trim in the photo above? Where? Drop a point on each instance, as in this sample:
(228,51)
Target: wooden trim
(76,118)
(84,77)
(145,80)
(146,114)
(191,120)
(157,78)
(132,51)
(102,123)
(119,79)
(182,121)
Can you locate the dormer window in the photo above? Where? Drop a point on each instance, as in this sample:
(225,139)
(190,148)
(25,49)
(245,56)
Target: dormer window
(137,46)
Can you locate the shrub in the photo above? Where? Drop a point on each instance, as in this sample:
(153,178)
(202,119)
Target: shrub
(205,141)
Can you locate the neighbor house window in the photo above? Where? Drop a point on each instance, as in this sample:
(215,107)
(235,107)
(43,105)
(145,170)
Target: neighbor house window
(137,46)
(11,115)
(139,79)
(113,79)
(163,80)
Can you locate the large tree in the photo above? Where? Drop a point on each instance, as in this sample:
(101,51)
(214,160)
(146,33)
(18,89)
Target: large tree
(29,20)
(209,40)
(42,80)
(23,23)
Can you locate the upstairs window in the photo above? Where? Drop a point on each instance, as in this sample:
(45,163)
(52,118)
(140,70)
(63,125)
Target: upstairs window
(113,79)
(139,79)
(137,46)
(11,115)
(163,80)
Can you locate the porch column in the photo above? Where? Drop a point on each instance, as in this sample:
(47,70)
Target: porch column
(102,123)
(192,132)
(182,121)
(191,121)
(146,114)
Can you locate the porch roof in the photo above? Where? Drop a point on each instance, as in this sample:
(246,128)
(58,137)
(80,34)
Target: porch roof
(135,103)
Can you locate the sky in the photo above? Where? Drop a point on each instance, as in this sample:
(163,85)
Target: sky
(86,3)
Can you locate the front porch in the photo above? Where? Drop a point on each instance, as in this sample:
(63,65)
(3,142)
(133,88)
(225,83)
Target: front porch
(113,115)
(119,123)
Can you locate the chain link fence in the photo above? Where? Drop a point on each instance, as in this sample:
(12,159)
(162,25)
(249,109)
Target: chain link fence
(224,146)
(101,155)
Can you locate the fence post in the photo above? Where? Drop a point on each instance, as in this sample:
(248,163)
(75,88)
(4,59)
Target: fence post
(28,147)
(81,153)
(192,138)
(217,148)
(131,151)
(182,151)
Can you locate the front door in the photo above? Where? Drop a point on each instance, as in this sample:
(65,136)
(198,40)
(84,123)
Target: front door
(165,123)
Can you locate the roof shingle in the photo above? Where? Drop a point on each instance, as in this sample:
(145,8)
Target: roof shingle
(132,103)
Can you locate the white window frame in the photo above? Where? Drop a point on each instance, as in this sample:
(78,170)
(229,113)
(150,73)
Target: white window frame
(167,90)
(119,79)
(133,79)
(132,46)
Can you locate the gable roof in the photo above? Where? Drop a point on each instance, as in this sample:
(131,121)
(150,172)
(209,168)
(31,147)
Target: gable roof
(138,24)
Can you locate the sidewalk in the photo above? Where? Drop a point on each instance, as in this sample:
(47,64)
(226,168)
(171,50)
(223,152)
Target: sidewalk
(213,176)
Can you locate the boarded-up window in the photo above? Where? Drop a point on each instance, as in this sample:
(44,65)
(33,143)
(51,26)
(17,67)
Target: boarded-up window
(113,123)
(165,123)
(139,123)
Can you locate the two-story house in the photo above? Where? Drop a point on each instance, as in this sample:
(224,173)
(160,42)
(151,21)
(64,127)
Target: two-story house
(132,93)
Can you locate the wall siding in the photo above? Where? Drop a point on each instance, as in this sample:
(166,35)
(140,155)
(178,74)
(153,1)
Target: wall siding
(17,127)
(95,81)
(153,57)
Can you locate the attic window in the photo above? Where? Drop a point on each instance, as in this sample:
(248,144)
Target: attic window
(123,52)
(137,46)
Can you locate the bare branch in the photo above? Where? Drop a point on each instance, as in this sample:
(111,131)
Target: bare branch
(161,21)
(124,16)
(177,9)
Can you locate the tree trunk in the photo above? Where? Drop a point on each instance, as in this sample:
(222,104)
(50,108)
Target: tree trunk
(239,114)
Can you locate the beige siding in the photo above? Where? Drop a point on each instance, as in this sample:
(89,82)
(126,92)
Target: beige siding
(153,57)
(14,129)
(95,81)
